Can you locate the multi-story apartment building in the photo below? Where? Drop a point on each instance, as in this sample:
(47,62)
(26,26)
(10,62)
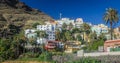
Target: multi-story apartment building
(49,29)
(117,33)
(100,28)
(104,28)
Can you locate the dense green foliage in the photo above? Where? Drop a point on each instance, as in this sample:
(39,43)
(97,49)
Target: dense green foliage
(35,25)
(64,36)
(11,48)
(46,56)
(95,43)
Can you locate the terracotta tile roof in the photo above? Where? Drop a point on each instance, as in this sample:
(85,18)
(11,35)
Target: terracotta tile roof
(110,41)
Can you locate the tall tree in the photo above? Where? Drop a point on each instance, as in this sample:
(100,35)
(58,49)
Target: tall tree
(35,25)
(63,37)
(111,16)
(85,29)
(68,35)
(41,34)
(70,26)
(93,36)
(58,35)
(64,26)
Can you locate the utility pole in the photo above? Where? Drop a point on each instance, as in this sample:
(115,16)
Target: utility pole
(60,15)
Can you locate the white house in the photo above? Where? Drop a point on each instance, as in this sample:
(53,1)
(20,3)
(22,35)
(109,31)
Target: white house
(49,29)
(41,40)
(100,28)
(78,22)
(64,20)
(29,33)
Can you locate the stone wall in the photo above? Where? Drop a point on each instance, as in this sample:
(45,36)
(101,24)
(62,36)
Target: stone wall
(81,54)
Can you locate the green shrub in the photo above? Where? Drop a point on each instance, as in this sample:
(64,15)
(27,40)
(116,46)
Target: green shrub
(35,24)
(46,56)
(29,54)
(1,59)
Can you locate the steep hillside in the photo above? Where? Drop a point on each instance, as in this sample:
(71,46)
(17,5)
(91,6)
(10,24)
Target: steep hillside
(16,15)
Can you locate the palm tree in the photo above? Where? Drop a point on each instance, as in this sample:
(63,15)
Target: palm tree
(111,16)
(92,36)
(64,26)
(58,35)
(68,35)
(42,34)
(23,40)
(19,40)
(70,26)
(85,29)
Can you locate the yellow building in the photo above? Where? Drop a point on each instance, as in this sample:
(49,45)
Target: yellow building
(72,46)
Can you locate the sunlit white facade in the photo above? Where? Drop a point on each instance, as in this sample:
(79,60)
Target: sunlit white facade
(78,22)
(49,29)
(66,21)
(100,28)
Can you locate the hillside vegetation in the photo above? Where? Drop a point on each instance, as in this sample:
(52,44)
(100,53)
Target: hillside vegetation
(16,15)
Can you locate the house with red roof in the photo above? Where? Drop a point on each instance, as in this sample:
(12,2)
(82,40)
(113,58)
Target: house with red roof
(51,45)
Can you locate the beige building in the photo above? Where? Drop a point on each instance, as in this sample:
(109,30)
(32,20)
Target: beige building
(117,33)
(72,46)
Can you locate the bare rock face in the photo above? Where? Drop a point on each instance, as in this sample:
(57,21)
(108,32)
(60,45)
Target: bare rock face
(16,15)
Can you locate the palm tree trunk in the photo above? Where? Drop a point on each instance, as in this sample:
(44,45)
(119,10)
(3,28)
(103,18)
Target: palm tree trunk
(83,36)
(17,50)
(111,30)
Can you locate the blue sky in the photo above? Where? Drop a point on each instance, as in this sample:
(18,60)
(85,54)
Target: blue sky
(90,10)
